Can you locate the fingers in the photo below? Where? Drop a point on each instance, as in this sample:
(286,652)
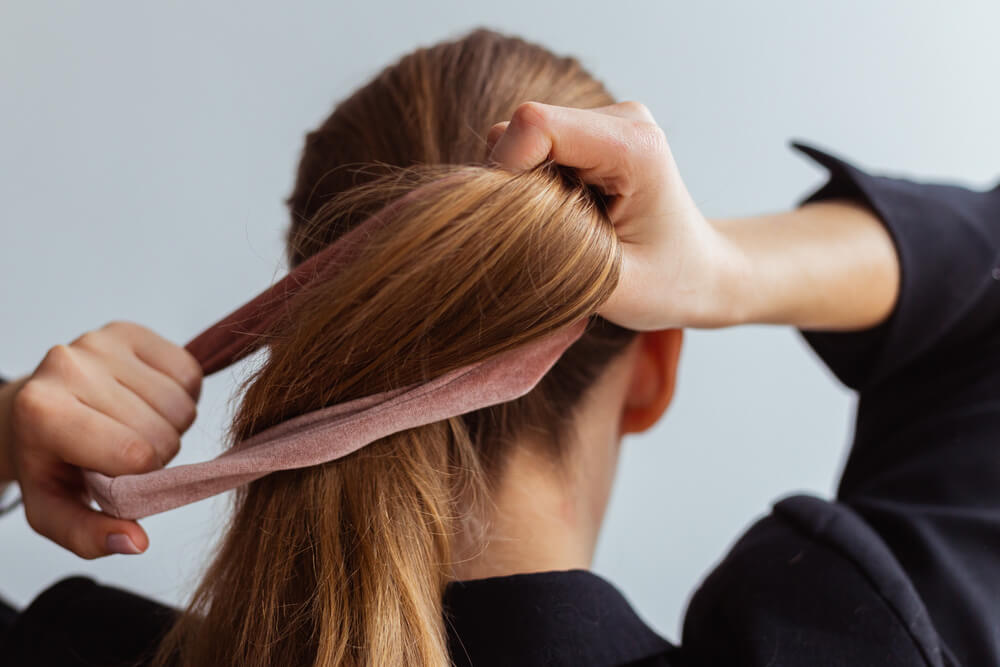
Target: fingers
(628,109)
(162,393)
(49,421)
(616,148)
(116,400)
(120,377)
(67,521)
(172,360)
(96,404)
(140,397)
(157,392)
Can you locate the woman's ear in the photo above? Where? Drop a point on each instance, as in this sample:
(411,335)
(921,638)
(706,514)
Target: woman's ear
(654,374)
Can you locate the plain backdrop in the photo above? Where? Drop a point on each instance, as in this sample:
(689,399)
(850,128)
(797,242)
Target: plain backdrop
(146,149)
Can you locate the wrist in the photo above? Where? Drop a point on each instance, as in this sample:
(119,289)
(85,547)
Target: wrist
(7,393)
(729,296)
(766,281)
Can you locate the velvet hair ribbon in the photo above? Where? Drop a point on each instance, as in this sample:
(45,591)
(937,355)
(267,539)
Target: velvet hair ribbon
(334,431)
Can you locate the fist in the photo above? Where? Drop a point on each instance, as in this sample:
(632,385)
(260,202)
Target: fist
(115,400)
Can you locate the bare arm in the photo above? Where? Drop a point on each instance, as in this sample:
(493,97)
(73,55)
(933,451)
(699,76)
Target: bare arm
(825,265)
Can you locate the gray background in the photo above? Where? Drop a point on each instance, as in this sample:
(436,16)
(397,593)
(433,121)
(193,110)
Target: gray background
(145,150)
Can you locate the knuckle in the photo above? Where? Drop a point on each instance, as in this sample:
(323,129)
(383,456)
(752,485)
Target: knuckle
(138,455)
(648,139)
(529,113)
(30,403)
(638,110)
(60,360)
(90,340)
(123,329)
(118,326)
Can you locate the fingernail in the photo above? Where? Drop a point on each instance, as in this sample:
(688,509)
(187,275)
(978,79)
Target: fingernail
(120,543)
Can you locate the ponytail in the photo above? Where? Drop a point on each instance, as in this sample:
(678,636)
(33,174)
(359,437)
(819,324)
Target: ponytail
(345,563)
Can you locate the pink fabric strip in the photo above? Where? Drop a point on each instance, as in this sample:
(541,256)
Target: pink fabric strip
(335,431)
(332,432)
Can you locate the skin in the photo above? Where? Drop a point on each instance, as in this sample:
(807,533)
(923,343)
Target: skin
(118,399)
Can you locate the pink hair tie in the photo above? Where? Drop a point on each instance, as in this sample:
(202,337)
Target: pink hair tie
(331,432)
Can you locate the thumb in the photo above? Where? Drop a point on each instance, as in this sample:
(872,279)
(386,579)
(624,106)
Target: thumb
(67,521)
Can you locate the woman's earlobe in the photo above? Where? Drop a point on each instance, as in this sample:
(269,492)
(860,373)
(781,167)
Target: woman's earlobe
(654,377)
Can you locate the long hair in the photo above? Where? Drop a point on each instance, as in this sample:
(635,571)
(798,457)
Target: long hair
(346,563)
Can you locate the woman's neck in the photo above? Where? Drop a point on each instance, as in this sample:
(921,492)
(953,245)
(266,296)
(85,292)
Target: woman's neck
(546,515)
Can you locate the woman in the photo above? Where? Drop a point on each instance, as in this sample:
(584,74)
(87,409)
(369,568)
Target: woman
(467,540)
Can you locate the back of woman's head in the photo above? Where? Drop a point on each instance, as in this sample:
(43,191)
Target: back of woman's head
(346,563)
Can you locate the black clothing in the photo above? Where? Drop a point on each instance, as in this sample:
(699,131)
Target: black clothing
(903,568)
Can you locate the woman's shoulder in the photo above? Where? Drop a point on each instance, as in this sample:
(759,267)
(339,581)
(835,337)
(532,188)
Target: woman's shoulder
(79,621)
(811,583)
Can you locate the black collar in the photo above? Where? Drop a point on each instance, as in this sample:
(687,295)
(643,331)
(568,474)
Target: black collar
(571,617)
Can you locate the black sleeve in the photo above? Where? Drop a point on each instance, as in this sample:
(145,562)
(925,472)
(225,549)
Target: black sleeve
(924,467)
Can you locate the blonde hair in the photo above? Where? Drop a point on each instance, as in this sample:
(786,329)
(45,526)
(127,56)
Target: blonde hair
(346,563)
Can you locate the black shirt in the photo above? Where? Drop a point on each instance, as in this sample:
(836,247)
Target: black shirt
(902,568)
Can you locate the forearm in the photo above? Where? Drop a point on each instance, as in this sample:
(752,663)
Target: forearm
(7,392)
(827,265)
